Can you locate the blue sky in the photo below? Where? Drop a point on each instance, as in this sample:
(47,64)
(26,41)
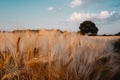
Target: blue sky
(60,14)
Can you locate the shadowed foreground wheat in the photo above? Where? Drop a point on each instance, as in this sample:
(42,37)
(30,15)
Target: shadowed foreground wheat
(56,55)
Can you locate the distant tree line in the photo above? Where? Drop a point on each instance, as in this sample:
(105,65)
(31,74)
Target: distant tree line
(117,34)
(89,28)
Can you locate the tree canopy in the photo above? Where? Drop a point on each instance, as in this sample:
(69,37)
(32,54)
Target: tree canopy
(87,27)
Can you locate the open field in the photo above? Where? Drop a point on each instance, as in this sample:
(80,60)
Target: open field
(57,55)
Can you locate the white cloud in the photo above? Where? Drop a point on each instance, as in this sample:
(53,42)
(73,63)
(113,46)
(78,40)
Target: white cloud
(75,17)
(50,8)
(76,3)
(105,14)
(102,16)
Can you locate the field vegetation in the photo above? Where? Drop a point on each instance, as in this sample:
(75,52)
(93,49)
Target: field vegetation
(57,55)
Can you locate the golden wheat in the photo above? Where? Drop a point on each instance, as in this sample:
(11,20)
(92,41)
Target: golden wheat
(56,55)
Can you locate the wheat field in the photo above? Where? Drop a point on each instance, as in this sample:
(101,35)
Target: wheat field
(57,55)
